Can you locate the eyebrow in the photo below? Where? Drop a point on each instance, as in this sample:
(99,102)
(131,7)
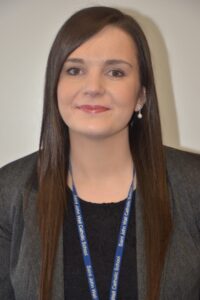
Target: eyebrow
(106,62)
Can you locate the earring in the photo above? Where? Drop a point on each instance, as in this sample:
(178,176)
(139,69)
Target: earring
(139,115)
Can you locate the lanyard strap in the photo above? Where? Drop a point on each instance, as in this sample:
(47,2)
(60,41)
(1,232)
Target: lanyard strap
(85,247)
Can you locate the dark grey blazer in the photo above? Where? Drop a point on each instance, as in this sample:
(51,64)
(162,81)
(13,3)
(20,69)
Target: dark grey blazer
(19,239)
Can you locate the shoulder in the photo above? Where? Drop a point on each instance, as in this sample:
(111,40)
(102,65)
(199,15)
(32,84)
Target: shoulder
(183,167)
(15,180)
(183,170)
(17,172)
(181,158)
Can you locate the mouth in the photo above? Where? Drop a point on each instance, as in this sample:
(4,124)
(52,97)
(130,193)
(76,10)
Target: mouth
(94,109)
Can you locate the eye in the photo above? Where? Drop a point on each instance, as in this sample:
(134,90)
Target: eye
(116,73)
(73,71)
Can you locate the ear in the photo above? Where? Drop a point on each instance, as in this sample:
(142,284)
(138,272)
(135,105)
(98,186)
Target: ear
(141,99)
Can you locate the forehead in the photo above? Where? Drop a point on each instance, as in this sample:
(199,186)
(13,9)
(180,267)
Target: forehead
(111,42)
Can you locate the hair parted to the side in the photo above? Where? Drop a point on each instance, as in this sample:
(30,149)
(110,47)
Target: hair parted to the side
(145,143)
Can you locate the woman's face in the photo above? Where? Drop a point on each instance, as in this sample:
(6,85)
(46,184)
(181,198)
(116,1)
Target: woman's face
(99,86)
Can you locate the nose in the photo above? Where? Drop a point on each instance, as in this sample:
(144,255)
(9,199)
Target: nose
(94,84)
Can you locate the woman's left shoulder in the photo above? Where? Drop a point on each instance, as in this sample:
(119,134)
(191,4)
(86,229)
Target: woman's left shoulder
(183,171)
(183,166)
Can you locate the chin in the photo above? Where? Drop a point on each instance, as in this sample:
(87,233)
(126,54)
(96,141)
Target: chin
(93,133)
(96,135)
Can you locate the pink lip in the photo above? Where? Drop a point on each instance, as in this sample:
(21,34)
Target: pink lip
(93,108)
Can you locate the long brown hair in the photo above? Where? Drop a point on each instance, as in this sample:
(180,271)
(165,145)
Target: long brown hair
(145,143)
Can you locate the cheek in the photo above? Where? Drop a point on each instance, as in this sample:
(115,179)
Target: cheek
(64,98)
(61,104)
(128,98)
(63,101)
(61,93)
(66,92)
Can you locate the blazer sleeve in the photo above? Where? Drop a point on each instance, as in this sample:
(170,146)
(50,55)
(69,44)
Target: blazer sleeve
(13,180)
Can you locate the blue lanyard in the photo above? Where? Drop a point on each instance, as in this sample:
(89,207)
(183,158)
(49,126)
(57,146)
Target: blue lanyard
(85,247)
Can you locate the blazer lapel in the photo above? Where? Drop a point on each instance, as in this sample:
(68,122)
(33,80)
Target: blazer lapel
(141,269)
(32,245)
(33,256)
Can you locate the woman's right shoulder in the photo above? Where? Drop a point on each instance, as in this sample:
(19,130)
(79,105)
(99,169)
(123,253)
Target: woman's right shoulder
(16,173)
(15,179)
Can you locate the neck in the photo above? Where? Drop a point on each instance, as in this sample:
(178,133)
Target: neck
(100,158)
(102,169)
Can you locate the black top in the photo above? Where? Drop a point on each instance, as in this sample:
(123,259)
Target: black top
(102,224)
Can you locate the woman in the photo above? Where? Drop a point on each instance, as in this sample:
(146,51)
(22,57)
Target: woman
(102,210)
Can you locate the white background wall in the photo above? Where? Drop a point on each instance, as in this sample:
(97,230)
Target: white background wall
(27,30)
